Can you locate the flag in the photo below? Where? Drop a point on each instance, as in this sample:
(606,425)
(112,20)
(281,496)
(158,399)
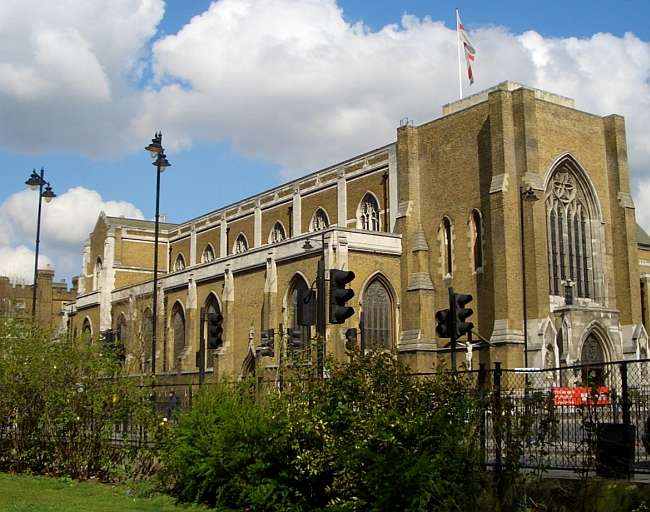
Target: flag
(470,52)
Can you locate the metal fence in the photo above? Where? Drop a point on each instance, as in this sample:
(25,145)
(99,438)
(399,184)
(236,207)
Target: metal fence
(582,418)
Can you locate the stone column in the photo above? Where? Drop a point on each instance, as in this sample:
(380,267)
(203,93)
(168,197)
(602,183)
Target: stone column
(257,225)
(342,200)
(191,325)
(107,283)
(270,306)
(297,212)
(223,238)
(193,246)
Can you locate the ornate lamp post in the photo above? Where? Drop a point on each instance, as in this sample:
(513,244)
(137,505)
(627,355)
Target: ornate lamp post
(37,181)
(158,153)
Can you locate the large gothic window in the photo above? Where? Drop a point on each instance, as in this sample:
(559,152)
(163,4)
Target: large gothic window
(178,326)
(241,244)
(277,233)
(368,213)
(319,221)
(377,317)
(572,223)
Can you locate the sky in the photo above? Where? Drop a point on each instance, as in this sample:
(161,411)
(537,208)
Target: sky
(251,93)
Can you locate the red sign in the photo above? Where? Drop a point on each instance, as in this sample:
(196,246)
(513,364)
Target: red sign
(581,396)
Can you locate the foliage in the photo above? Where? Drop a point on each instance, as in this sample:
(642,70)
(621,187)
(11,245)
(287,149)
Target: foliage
(61,401)
(370,437)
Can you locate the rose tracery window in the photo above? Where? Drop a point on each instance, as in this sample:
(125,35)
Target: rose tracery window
(241,244)
(319,221)
(277,233)
(571,216)
(368,216)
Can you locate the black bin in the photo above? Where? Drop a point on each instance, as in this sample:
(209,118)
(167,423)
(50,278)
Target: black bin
(615,450)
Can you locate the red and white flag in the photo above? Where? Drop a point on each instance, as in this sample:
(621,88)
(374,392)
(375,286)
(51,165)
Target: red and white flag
(470,52)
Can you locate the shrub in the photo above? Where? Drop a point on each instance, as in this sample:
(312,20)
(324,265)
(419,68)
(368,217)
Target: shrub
(60,403)
(370,437)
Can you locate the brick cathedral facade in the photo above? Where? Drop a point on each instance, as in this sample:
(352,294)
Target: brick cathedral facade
(441,205)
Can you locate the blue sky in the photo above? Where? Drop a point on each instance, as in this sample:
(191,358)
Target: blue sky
(248,101)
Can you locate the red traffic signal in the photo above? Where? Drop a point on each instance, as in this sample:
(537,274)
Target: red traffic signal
(443,319)
(462,313)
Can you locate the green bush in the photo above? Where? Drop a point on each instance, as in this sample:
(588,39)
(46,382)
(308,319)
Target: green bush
(61,402)
(370,437)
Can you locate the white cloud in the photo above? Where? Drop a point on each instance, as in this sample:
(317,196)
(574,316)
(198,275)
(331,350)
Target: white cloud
(66,71)
(286,81)
(65,225)
(18,263)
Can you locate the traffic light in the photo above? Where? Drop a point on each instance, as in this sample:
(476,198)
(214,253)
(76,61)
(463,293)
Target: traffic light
(443,318)
(351,339)
(294,340)
(267,344)
(339,295)
(215,330)
(462,313)
(306,301)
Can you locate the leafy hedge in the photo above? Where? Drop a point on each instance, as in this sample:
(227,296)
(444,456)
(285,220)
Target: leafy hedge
(370,437)
(61,401)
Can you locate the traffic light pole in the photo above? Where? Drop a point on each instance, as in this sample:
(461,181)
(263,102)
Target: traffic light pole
(201,353)
(320,316)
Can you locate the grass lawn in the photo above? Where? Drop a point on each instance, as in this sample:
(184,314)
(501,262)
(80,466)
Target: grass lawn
(20,493)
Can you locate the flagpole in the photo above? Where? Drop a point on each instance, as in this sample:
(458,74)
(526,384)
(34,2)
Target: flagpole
(460,73)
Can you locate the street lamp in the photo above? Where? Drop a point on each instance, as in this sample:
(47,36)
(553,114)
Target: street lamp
(37,181)
(528,194)
(157,152)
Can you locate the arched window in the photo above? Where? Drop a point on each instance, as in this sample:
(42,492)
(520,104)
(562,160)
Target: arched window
(319,221)
(179,264)
(97,277)
(241,244)
(178,326)
(477,240)
(368,213)
(277,233)
(212,307)
(298,290)
(447,246)
(592,354)
(377,317)
(86,330)
(208,254)
(572,223)
(146,330)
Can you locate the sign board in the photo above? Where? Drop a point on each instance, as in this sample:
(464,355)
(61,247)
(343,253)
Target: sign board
(581,396)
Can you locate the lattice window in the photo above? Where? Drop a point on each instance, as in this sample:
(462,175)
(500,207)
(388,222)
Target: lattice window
(277,233)
(570,216)
(208,254)
(377,317)
(368,213)
(319,221)
(241,244)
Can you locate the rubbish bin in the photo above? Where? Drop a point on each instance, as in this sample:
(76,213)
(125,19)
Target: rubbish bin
(615,450)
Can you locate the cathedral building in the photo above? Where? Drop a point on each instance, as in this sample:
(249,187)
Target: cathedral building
(512,195)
